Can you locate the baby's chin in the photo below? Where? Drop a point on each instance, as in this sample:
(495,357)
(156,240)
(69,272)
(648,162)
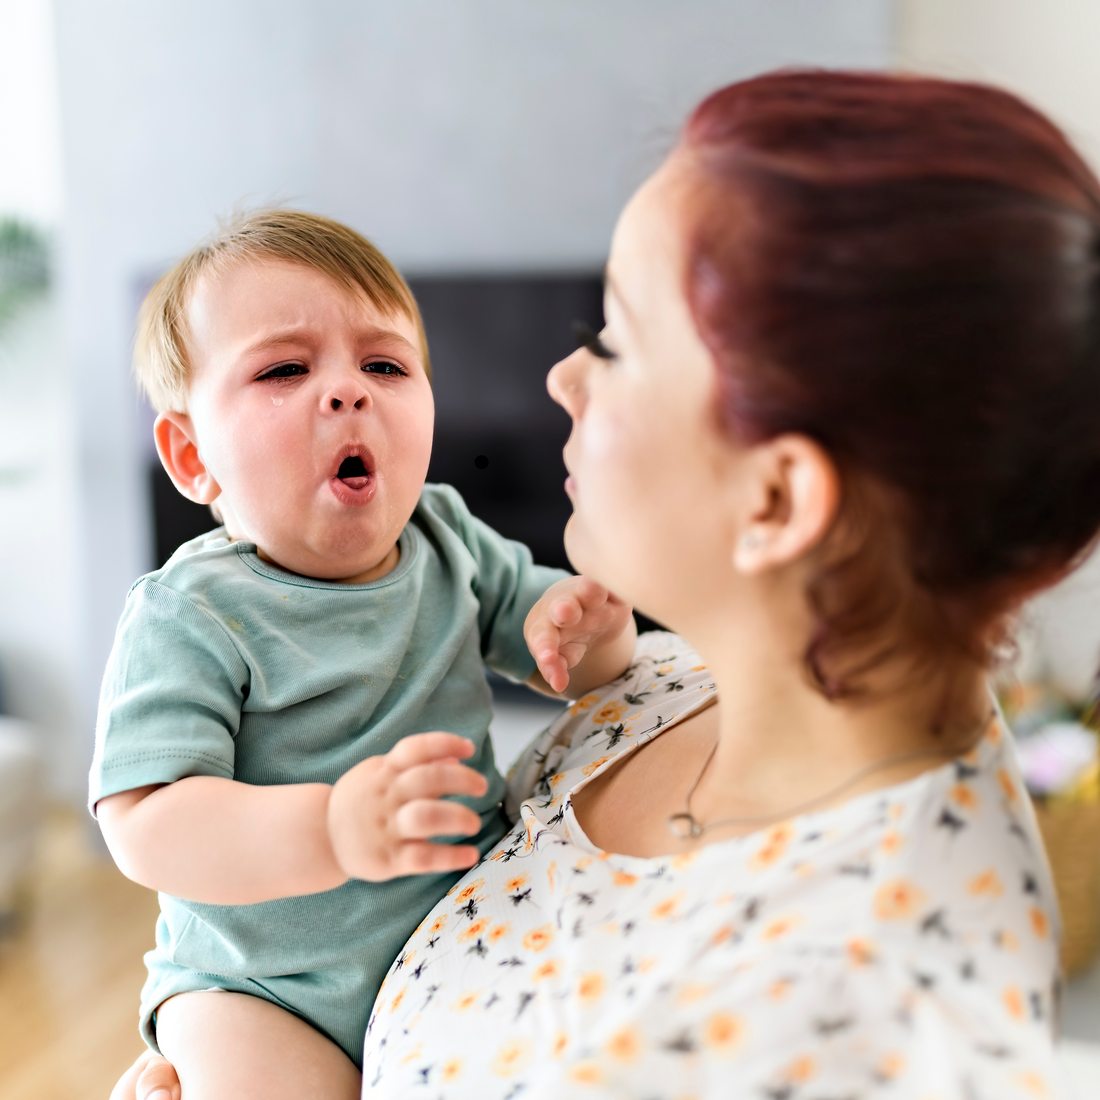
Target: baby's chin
(339,560)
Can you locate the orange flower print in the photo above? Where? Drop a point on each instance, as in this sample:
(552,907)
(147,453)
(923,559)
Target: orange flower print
(773,848)
(549,969)
(684,859)
(609,712)
(466,1000)
(398,997)
(538,939)
(1007,786)
(892,842)
(780,927)
(469,891)
(668,907)
(692,992)
(437,925)
(1013,1001)
(898,899)
(451,1069)
(779,989)
(996,732)
(861,952)
(583,704)
(721,935)
(1039,923)
(964,796)
(988,883)
(499,931)
(473,930)
(723,1032)
(801,1070)
(516,882)
(698,668)
(1008,941)
(621,878)
(586,1072)
(588,769)
(647,964)
(1034,1082)
(665,669)
(550,872)
(890,1067)
(513,1055)
(557,1047)
(412,1055)
(590,988)
(624,1045)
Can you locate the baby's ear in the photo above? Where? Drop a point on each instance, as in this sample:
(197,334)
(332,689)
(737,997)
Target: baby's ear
(179,453)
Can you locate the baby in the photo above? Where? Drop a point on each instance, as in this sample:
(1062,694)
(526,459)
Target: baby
(264,751)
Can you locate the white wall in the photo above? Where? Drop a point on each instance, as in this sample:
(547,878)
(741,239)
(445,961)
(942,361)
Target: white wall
(1046,51)
(40,605)
(459,134)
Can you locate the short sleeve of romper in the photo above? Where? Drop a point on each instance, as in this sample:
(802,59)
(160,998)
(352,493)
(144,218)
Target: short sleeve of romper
(172,695)
(901,946)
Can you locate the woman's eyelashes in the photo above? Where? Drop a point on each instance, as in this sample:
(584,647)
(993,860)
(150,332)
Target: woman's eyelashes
(586,338)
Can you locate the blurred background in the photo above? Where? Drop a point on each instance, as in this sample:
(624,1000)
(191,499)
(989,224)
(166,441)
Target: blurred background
(487,147)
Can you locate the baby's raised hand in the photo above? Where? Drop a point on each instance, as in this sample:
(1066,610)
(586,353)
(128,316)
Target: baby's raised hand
(382,812)
(580,635)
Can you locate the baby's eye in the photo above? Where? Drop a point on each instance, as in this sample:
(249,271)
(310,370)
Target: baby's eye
(284,370)
(384,366)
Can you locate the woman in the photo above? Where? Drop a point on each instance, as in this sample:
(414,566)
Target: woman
(838,426)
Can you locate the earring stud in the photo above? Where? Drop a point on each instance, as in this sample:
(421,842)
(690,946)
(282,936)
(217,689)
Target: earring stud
(752,540)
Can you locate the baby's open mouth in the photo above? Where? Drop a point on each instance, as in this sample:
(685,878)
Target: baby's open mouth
(351,467)
(354,474)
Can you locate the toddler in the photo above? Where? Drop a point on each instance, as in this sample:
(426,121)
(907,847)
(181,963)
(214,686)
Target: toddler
(265,749)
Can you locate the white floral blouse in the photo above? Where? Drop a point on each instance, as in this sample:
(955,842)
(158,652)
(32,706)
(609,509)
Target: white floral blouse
(901,945)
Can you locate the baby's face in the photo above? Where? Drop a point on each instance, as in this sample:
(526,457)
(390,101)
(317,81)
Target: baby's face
(312,411)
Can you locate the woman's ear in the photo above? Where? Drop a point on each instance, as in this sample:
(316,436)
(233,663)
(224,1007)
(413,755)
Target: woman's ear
(179,453)
(791,501)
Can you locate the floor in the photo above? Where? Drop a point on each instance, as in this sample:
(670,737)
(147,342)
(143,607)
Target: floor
(71,969)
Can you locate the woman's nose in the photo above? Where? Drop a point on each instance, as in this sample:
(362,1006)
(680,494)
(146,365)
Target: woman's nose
(565,383)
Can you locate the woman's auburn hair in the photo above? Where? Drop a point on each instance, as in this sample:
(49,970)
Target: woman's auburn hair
(907,271)
(161,364)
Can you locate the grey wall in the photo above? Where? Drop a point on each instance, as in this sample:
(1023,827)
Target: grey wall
(459,134)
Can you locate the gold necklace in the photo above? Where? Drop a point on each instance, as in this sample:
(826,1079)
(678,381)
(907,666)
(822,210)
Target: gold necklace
(686,826)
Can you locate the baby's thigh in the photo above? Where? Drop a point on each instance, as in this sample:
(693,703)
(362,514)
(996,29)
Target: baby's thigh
(231,1045)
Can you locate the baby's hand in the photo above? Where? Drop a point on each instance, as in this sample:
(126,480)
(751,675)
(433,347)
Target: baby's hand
(576,616)
(382,812)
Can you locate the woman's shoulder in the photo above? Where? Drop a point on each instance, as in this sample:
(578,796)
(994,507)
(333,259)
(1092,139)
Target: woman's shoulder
(666,679)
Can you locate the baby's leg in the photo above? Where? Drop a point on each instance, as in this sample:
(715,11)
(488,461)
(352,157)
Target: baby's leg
(231,1045)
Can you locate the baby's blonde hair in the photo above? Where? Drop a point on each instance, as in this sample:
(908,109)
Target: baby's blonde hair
(160,350)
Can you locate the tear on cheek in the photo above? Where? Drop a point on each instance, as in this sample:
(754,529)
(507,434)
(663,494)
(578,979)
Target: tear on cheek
(276,401)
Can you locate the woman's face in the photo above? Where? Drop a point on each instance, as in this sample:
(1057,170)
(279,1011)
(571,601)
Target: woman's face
(650,468)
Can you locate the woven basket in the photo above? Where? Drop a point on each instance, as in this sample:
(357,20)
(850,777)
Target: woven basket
(1071,834)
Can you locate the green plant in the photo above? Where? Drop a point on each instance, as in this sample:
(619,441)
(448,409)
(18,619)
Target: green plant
(24,266)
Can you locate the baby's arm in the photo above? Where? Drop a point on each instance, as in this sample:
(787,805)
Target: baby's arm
(228,843)
(581,637)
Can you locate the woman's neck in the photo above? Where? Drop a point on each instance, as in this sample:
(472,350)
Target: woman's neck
(781,743)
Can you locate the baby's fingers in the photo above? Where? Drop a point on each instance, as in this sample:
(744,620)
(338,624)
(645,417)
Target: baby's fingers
(419,857)
(424,818)
(437,779)
(423,748)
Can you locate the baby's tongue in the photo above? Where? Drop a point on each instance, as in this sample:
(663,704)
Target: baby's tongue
(353,473)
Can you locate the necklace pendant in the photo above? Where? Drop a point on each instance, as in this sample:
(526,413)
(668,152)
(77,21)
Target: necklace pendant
(684,826)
